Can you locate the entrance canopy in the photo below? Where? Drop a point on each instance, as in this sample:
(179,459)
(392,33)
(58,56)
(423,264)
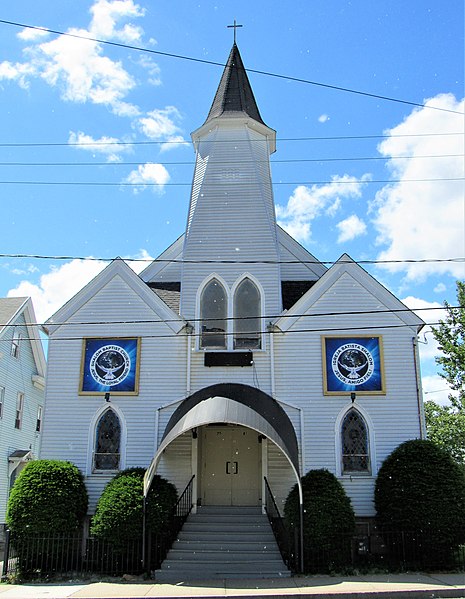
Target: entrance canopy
(233,404)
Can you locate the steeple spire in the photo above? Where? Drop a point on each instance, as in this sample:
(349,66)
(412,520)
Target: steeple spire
(234,96)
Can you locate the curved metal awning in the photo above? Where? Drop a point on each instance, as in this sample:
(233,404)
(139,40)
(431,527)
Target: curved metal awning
(232,404)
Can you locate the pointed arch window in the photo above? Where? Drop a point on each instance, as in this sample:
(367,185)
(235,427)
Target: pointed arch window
(354,443)
(247,310)
(107,442)
(213,315)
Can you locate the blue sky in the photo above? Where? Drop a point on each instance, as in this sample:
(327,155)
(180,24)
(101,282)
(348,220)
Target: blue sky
(349,172)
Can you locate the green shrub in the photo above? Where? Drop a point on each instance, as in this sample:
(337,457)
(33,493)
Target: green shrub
(119,514)
(48,496)
(421,489)
(328,523)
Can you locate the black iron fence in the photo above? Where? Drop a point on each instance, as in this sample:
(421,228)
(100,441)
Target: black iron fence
(45,555)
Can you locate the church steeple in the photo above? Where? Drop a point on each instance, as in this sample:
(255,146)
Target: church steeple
(234,96)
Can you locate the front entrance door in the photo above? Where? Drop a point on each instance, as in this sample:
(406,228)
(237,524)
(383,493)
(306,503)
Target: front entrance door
(230,466)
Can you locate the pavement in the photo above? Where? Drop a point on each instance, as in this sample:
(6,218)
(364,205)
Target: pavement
(375,586)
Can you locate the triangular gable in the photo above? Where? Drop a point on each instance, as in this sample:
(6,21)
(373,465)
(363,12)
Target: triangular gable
(345,265)
(18,307)
(116,268)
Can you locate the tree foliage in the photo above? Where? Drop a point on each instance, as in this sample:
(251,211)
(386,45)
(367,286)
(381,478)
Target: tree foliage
(329,520)
(119,513)
(446,428)
(421,489)
(48,496)
(450,335)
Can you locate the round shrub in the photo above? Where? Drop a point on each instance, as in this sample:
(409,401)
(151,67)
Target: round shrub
(328,522)
(119,514)
(48,496)
(420,489)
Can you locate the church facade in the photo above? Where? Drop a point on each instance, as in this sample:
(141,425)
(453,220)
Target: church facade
(236,356)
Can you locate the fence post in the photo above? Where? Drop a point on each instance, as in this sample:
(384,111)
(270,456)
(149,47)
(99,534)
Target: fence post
(6,555)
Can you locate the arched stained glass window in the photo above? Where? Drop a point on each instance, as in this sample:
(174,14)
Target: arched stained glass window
(213,314)
(247,316)
(107,442)
(354,441)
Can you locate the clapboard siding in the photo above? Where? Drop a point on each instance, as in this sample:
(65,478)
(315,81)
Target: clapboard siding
(16,377)
(299,377)
(280,476)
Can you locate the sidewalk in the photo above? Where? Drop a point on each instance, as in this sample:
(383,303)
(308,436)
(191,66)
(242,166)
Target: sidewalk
(380,586)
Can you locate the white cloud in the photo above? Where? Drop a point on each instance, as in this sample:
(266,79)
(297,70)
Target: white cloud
(440,288)
(424,219)
(436,389)
(57,286)
(78,67)
(431,313)
(159,124)
(307,203)
(28,34)
(323,118)
(350,228)
(108,146)
(150,173)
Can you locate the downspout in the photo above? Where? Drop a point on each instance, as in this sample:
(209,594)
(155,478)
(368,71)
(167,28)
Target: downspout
(272,373)
(421,410)
(189,330)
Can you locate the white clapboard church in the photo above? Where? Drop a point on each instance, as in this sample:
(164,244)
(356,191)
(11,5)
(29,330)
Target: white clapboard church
(236,356)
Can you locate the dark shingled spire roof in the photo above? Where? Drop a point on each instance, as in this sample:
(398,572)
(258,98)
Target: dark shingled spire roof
(234,92)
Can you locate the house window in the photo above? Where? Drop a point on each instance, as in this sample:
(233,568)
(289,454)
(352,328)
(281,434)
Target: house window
(107,442)
(247,316)
(19,410)
(213,315)
(354,442)
(39,419)
(15,345)
(2,400)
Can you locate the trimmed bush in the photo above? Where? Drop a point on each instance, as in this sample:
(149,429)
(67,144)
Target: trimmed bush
(421,489)
(48,496)
(329,521)
(119,514)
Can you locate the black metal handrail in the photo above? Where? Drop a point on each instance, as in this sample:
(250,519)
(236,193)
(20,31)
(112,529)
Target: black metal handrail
(286,543)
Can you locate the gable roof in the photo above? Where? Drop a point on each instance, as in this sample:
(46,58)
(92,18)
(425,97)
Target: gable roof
(116,268)
(11,308)
(234,94)
(346,264)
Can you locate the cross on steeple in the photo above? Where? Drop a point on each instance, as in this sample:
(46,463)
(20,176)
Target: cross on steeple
(235,26)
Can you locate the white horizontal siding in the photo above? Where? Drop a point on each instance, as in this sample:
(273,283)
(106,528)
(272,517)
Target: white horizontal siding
(16,376)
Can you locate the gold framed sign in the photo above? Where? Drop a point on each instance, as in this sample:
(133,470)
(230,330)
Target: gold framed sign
(110,365)
(353,364)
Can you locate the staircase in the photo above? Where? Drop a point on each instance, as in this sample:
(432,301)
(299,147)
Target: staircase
(223,542)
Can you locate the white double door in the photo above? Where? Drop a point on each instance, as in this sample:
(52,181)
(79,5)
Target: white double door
(230,466)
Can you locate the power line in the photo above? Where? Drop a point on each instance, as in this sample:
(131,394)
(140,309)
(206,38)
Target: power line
(325,330)
(236,183)
(210,62)
(186,142)
(236,318)
(236,162)
(182,261)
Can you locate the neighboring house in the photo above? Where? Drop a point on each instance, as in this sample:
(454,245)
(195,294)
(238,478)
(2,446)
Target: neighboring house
(22,384)
(236,355)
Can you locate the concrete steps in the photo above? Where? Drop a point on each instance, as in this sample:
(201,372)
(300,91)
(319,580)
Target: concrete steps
(221,543)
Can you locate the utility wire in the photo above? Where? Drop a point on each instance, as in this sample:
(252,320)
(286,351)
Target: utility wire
(325,330)
(210,62)
(236,183)
(234,318)
(186,142)
(236,162)
(181,261)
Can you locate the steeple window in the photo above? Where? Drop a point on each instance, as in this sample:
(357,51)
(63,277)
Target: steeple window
(213,315)
(247,327)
